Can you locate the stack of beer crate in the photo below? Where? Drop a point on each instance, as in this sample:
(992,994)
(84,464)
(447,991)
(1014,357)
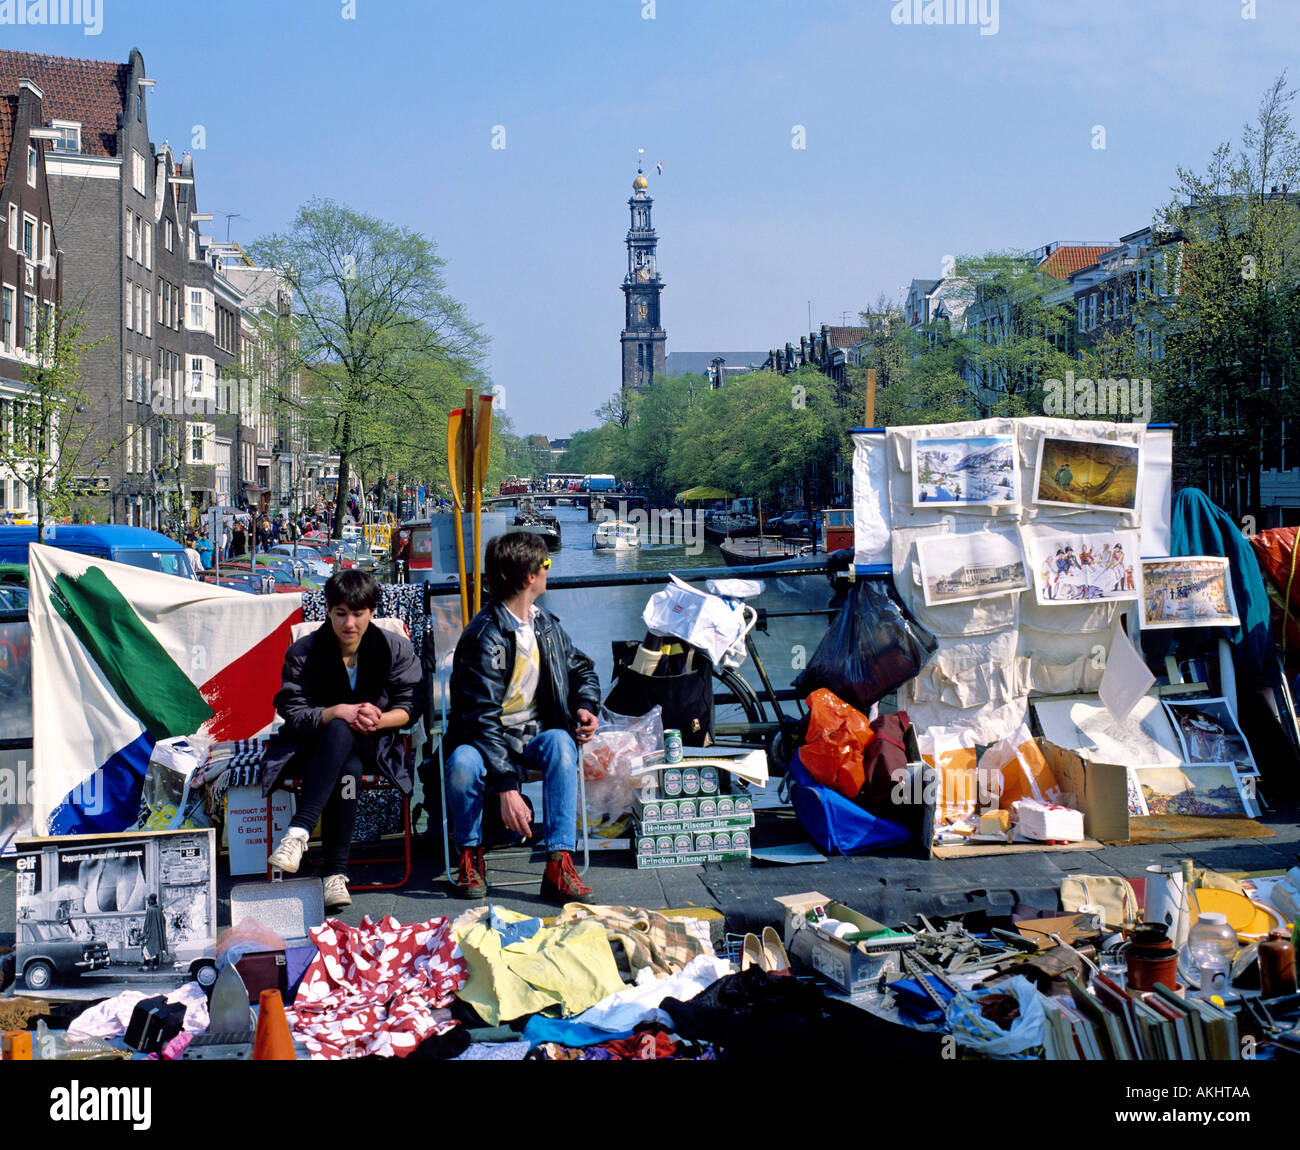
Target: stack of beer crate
(684,820)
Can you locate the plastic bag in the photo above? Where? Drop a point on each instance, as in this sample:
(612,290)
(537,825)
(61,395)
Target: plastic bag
(248,935)
(838,735)
(870,648)
(612,758)
(1023,771)
(952,753)
(1022,1040)
(705,621)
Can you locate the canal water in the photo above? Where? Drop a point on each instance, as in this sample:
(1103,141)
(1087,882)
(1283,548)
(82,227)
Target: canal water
(595,617)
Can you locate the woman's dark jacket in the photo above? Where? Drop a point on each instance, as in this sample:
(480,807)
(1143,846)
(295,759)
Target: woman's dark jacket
(388,675)
(480,674)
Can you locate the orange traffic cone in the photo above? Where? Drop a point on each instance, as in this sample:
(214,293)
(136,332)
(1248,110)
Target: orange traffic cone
(272,1042)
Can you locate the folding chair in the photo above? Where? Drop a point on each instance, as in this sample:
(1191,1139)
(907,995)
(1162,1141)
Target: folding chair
(444,676)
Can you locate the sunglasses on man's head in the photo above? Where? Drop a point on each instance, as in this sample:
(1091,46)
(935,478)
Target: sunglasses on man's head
(546,563)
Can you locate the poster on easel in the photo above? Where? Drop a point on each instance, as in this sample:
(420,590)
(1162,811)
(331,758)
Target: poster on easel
(965,471)
(1087,474)
(1194,591)
(1071,567)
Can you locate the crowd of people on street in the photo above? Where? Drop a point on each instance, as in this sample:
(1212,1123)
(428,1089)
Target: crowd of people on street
(247,534)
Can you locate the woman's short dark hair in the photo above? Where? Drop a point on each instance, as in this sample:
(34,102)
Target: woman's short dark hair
(354,589)
(509,560)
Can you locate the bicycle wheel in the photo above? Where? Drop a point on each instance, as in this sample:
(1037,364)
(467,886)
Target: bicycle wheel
(736,709)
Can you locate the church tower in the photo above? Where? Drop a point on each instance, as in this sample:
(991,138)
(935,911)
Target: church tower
(643,336)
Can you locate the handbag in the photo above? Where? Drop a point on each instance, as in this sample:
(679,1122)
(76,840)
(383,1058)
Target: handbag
(676,678)
(1115,895)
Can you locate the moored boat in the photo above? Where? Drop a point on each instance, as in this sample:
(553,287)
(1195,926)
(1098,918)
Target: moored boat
(767,549)
(536,523)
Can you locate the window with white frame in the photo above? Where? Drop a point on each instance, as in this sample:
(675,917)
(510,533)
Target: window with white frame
(146,365)
(13,227)
(1092,311)
(148,312)
(1083,311)
(29,322)
(47,319)
(196,374)
(197,440)
(137,241)
(31,165)
(69,135)
(7,318)
(137,172)
(169,236)
(200,312)
(29,237)
(139,308)
(46,243)
(130,306)
(148,246)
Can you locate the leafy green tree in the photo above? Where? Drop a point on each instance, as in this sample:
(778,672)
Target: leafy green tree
(383,336)
(46,446)
(1218,323)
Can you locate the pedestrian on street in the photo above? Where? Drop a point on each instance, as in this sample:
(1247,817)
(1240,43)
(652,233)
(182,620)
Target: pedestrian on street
(155,935)
(204,548)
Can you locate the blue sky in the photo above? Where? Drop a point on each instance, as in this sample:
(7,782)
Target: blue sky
(921,142)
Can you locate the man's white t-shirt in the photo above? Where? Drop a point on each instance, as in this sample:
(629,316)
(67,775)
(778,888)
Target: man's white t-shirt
(521,690)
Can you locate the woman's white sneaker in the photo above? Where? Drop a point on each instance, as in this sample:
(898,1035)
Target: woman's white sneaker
(336,893)
(288,855)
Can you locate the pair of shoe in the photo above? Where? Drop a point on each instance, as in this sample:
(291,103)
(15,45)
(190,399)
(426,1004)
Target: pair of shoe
(560,881)
(768,955)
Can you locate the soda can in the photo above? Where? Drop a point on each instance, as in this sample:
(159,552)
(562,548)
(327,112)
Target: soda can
(739,840)
(664,845)
(691,780)
(722,841)
(672,746)
(708,808)
(682,844)
(668,811)
(672,782)
(686,809)
(708,780)
(645,845)
(726,806)
(704,842)
(744,804)
(650,812)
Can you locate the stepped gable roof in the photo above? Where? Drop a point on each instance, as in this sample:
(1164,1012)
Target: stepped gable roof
(1070,258)
(91,92)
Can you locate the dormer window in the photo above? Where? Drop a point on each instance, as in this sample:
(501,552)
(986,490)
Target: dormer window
(69,135)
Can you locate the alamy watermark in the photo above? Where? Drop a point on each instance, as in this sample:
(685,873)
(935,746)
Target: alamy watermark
(983,13)
(661,525)
(17,789)
(87,13)
(1113,397)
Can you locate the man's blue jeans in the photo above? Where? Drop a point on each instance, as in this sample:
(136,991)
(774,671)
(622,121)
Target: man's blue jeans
(554,753)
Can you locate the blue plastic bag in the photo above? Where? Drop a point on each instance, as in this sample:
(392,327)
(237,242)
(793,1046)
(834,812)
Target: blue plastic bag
(836,824)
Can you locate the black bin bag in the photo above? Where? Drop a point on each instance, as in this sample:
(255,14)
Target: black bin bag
(870,648)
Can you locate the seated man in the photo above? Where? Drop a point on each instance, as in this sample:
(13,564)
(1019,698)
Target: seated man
(348,689)
(521,694)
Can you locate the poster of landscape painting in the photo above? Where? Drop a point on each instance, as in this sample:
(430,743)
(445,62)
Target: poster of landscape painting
(955,568)
(1187,592)
(1082,566)
(1087,473)
(965,472)
(1205,790)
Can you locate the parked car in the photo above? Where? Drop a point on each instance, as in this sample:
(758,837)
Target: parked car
(281,579)
(48,952)
(238,580)
(319,561)
(135,546)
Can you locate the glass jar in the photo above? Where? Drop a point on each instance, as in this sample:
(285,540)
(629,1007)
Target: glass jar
(1211,944)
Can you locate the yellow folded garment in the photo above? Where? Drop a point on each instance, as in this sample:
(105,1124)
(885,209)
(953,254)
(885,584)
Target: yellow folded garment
(569,965)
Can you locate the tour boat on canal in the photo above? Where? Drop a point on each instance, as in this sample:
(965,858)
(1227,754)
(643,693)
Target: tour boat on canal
(616,535)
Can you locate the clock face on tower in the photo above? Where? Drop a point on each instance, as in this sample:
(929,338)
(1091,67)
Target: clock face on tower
(643,275)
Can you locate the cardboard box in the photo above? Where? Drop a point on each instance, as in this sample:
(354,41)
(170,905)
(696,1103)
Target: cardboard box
(850,967)
(246,826)
(647,862)
(1100,793)
(679,781)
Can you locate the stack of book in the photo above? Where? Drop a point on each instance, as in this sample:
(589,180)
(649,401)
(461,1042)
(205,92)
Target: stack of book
(1155,1026)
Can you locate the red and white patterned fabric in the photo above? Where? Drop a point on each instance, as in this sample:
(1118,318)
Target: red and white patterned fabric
(377,988)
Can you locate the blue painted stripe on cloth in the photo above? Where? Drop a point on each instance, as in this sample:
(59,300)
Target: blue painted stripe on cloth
(110,799)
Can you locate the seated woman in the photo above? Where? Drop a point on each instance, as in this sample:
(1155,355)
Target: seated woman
(348,689)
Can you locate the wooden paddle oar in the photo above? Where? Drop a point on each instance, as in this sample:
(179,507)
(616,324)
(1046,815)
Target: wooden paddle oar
(454,421)
(482,446)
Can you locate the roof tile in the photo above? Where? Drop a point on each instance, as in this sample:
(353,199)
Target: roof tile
(92,92)
(1070,258)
